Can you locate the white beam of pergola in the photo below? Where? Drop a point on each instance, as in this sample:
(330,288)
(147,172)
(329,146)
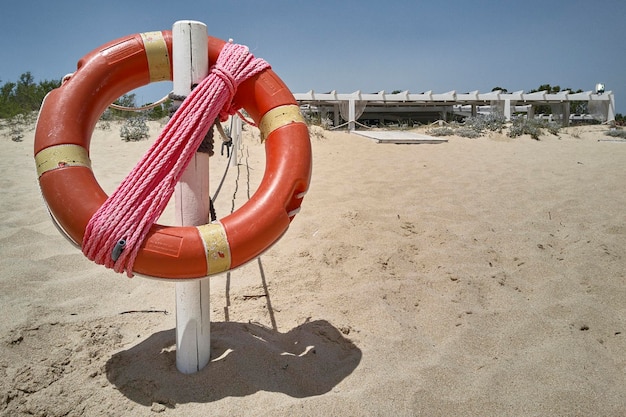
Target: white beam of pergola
(452,98)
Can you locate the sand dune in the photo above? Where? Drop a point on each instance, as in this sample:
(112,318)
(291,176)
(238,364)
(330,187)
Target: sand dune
(478,277)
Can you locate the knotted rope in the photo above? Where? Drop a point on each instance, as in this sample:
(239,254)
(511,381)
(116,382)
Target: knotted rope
(116,231)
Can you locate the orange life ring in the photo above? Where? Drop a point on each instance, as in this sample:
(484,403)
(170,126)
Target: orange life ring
(72,193)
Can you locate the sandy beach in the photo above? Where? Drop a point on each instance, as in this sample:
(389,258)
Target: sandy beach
(477,277)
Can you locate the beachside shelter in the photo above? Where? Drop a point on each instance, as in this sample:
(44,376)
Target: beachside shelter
(350,107)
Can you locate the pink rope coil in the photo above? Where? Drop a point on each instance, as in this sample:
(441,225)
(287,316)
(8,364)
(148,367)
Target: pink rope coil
(136,204)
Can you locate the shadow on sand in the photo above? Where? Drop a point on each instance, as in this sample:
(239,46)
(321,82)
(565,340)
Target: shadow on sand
(309,360)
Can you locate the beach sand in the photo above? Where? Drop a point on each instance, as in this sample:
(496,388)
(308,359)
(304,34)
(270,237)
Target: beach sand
(477,277)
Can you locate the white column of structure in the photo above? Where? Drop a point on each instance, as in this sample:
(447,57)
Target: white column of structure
(611,113)
(566,113)
(351,115)
(193,331)
(507,110)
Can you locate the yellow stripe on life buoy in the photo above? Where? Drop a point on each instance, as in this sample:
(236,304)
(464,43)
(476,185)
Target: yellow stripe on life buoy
(216,246)
(279,117)
(158,57)
(61,156)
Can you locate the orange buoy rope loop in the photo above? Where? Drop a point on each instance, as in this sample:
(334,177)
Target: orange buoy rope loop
(120,231)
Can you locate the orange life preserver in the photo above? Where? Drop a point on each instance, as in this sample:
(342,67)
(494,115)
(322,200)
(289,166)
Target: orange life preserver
(66,122)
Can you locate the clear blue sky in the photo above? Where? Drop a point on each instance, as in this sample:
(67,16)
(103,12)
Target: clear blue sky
(350,45)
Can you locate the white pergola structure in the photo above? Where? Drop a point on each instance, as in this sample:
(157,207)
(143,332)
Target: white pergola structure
(352,105)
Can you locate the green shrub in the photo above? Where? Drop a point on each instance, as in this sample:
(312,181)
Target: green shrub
(493,122)
(134,129)
(616,133)
(467,132)
(18,124)
(103,124)
(440,131)
(532,127)
(553,127)
(472,127)
(524,126)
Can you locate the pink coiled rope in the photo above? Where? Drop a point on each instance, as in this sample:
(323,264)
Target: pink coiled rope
(129,213)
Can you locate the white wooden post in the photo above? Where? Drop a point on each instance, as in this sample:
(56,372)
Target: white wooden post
(191,195)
